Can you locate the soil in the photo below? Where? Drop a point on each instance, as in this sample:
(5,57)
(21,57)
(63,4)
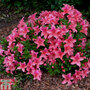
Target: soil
(8,23)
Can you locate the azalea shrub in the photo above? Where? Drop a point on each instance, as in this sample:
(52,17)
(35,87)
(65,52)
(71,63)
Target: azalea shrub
(53,41)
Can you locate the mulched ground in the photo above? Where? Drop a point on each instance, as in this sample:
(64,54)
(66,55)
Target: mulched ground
(54,83)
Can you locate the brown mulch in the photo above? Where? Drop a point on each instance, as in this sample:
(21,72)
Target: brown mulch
(54,83)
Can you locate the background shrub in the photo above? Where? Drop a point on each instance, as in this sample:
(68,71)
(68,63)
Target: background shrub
(39,5)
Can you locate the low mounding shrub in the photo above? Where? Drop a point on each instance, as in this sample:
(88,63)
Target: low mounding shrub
(52,41)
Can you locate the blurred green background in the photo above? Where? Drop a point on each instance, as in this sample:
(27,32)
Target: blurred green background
(28,6)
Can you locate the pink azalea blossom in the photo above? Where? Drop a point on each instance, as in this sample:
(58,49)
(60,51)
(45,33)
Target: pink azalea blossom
(78,74)
(30,70)
(10,69)
(39,42)
(15,33)
(44,31)
(83,43)
(67,8)
(76,59)
(21,23)
(30,67)
(1,50)
(85,73)
(63,30)
(30,63)
(20,47)
(67,79)
(44,53)
(37,62)
(68,50)
(36,30)
(23,31)
(11,45)
(32,19)
(84,30)
(75,79)
(59,54)
(34,54)
(8,52)
(37,74)
(10,39)
(70,41)
(86,65)
(53,55)
(73,26)
(22,66)
(52,32)
(9,60)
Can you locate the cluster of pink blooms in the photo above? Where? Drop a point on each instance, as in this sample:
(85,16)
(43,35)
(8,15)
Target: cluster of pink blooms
(45,27)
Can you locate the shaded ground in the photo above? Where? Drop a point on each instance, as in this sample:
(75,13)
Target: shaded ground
(54,83)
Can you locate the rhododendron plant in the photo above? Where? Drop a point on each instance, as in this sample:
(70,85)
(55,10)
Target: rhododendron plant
(54,41)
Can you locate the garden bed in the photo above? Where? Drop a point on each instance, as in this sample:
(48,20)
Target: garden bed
(47,82)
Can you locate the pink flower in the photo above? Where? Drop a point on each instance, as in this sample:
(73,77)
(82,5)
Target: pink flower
(11,45)
(78,74)
(37,62)
(85,72)
(63,30)
(44,31)
(8,52)
(30,63)
(73,26)
(39,42)
(20,47)
(9,60)
(37,74)
(10,68)
(23,31)
(13,81)
(75,79)
(36,30)
(15,33)
(83,43)
(21,23)
(84,30)
(76,59)
(67,79)
(44,53)
(68,50)
(10,38)
(53,32)
(30,67)
(32,18)
(67,8)
(1,50)
(22,66)
(52,54)
(34,54)
(85,25)
(70,41)
(59,54)
(30,70)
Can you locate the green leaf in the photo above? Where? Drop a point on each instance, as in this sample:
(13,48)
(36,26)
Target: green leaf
(26,54)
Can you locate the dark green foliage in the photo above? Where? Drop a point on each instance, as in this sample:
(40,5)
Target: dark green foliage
(39,5)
